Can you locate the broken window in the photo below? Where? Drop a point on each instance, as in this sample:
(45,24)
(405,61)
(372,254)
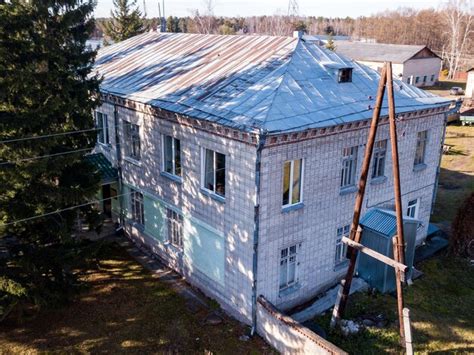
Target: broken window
(349,166)
(214,172)
(172,155)
(378,166)
(421,140)
(292,181)
(288,267)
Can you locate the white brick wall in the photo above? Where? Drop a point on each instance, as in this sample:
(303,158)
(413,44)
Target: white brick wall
(325,209)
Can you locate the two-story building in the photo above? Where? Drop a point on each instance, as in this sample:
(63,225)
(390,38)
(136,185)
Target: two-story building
(238,158)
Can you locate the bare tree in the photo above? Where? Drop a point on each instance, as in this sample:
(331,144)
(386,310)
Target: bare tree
(459,18)
(205,23)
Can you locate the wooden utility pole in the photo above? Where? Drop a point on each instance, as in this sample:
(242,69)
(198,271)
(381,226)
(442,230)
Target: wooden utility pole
(353,242)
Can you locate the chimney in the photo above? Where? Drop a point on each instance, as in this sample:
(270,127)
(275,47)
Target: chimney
(298,34)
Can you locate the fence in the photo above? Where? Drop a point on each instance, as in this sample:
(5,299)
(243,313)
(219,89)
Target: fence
(287,335)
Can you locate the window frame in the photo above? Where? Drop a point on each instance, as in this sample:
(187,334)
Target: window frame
(131,133)
(102,127)
(175,228)
(291,182)
(340,252)
(433,77)
(417,80)
(379,153)
(173,156)
(213,192)
(420,144)
(352,157)
(344,75)
(414,207)
(287,285)
(136,200)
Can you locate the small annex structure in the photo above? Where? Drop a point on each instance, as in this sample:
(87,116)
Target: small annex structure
(238,158)
(416,65)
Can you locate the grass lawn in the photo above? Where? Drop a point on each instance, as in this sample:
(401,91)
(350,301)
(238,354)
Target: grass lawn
(443,87)
(125,310)
(442,301)
(456,179)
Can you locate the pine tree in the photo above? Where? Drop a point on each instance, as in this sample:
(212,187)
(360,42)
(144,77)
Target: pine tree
(126,22)
(46,88)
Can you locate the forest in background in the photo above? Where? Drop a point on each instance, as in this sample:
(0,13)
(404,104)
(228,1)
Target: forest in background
(448,30)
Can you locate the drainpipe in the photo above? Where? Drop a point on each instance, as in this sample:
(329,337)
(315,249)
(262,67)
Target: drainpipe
(438,170)
(118,153)
(261,143)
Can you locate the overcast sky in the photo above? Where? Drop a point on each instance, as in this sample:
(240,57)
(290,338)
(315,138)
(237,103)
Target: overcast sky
(328,8)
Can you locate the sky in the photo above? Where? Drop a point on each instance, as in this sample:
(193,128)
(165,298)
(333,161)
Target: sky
(326,8)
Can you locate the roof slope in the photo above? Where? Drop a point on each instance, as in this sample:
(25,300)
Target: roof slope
(277,84)
(378,52)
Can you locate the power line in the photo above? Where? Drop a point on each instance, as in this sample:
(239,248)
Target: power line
(49,135)
(45,156)
(61,210)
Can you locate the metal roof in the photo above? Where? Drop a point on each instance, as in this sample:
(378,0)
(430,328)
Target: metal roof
(275,84)
(383,221)
(107,172)
(378,52)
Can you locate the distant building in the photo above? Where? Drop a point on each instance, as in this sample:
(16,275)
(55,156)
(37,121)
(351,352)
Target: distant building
(238,158)
(470,84)
(416,65)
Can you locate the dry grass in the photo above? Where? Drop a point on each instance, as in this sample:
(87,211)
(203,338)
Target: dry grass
(125,310)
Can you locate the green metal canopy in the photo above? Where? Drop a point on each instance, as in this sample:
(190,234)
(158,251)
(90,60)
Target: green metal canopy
(107,172)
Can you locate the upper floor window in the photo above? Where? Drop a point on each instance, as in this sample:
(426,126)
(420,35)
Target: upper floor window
(175,228)
(417,79)
(412,209)
(378,165)
(341,248)
(433,77)
(349,166)
(132,140)
(425,78)
(421,140)
(172,155)
(213,171)
(102,128)
(292,182)
(136,201)
(288,266)
(345,75)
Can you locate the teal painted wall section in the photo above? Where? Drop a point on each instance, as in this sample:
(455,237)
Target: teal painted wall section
(204,250)
(155,219)
(126,201)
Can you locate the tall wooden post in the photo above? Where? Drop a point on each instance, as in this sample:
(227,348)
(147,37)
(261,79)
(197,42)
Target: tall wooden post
(354,233)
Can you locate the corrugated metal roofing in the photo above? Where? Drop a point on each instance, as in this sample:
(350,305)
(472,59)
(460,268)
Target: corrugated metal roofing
(383,221)
(377,52)
(107,172)
(277,84)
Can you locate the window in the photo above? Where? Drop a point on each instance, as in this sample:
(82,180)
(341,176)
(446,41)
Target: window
(349,165)
(417,79)
(175,228)
(425,78)
(132,140)
(292,181)
(433,77)
(345,75)
(213,171)
(341,248)
(102,128)
(136,199)
(412,210)
(288,267)
(172,155)
(378,167)
(420,147)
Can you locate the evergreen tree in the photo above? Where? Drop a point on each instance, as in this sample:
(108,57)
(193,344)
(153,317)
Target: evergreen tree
(126,22)
(46,88)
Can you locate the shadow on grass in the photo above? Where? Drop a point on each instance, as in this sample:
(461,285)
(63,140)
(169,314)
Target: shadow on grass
(124,310)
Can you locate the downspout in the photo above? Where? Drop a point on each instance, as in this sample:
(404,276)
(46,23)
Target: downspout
(118,153)
(261,143)
(438,170)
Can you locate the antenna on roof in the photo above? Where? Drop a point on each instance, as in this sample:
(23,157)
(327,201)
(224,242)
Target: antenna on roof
(162,18)
(293,8)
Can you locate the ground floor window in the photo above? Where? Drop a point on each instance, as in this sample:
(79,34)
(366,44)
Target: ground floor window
(175,228)
(136,201)
(288,266)
(341,248)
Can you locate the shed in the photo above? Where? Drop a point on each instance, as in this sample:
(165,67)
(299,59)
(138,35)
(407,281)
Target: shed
(379,227)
